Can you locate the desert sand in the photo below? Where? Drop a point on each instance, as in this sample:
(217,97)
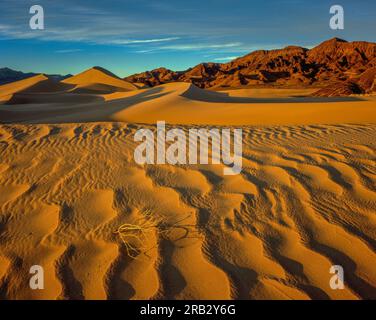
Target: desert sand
(73,200)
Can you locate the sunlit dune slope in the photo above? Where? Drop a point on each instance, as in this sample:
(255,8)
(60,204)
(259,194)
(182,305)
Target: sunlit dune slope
(183,103)
(99,80)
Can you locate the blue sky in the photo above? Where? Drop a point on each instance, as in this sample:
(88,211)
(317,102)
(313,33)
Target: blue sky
(129,36)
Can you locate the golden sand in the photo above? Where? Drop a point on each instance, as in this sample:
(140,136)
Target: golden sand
(73,200)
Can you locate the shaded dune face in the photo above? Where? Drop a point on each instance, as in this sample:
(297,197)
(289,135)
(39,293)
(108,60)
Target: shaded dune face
(304,201)
(43,89)
(183,103)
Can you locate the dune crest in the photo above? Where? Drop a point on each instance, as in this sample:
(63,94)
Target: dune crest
(7,90)
(98,79)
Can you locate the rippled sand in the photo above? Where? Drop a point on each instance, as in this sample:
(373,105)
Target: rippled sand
(304,201)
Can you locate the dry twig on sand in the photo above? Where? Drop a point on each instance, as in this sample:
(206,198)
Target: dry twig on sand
(136,236)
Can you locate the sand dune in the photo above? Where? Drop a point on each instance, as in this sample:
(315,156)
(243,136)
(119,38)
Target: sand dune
(7,90)
(70,191)
(173,102)
(96,78)
(89,84)
(305,200)
(37,84)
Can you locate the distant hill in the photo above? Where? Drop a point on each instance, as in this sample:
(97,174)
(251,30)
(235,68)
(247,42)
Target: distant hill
(333,61)
(8,75)
(39,88)
(98,80)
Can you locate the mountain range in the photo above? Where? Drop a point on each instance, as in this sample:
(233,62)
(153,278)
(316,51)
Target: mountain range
(345,66)
(336,67)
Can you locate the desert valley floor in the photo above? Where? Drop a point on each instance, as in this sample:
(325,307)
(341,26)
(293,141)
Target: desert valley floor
(71,192)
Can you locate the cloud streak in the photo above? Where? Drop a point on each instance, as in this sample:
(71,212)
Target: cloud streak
(186,47)
(125,42)
(68,51)
(226,58)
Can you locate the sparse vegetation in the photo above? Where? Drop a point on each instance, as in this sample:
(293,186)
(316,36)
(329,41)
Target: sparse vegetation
(137,236)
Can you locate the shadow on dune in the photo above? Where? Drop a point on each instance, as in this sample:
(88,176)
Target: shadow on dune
(118,288)
(53,98)
(173,281)
(55,113)
(360,286)
(197,94)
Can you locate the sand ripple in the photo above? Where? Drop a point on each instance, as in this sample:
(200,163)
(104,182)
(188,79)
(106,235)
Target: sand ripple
(305,200)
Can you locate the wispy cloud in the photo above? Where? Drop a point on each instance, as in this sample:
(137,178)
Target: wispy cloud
(235,47)
(146,26)
(185,47)
(226,58)
(68,51)
(121,42)
(82,34)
